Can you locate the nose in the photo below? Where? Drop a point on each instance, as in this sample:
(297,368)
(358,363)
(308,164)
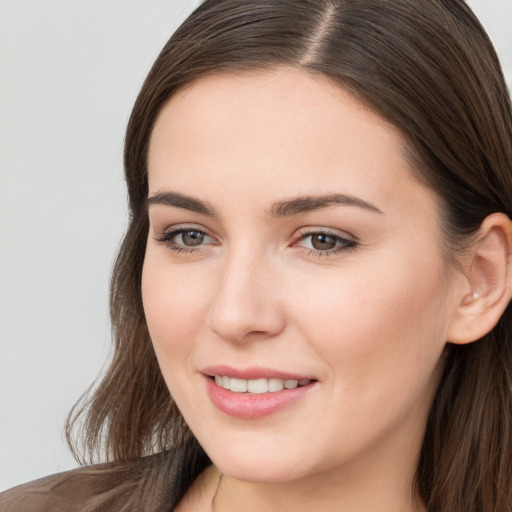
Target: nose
(246,301)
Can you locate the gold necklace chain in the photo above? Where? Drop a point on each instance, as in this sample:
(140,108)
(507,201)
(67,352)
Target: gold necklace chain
(212,506)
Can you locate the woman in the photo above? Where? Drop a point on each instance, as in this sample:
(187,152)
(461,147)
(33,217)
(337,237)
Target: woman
(317,270)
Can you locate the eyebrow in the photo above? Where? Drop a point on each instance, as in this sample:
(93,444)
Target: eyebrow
(286,208)
(310,203)
(180,201)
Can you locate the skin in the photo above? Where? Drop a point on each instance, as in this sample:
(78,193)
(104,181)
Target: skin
(369,322)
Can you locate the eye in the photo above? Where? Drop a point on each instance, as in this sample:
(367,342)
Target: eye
(190,238)
(323,243)
(185,239)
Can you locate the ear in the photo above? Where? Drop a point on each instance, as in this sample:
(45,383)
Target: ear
(488,282)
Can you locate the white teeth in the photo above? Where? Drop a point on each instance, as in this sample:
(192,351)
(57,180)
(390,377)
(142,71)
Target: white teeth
(238,385)
(258,386)
(291,384)
(275,385)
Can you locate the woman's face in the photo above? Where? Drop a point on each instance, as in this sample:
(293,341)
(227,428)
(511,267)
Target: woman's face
(292,253)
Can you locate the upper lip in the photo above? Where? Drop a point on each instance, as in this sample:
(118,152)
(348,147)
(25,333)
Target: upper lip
(252,373)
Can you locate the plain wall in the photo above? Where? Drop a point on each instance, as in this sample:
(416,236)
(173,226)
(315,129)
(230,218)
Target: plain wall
(69,73)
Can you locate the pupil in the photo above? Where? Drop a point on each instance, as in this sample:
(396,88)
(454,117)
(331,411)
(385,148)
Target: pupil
(192,237)
(323,242)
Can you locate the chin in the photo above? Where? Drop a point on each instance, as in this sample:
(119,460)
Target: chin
(262,462)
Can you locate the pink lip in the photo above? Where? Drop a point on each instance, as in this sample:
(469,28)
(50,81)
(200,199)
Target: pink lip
(252,406)
(252,373)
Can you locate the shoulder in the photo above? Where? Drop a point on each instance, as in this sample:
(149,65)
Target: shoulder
(92,488)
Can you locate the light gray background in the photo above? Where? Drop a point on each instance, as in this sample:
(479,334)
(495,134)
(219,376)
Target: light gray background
(69,73)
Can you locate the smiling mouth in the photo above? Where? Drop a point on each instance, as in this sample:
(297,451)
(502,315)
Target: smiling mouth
(258,386)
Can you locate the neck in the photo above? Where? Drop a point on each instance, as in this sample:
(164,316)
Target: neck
(313,494)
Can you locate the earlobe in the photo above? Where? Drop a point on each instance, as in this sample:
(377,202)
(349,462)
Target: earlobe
(489,282)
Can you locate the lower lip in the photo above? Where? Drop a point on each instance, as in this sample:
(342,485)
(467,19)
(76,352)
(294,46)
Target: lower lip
(251,406)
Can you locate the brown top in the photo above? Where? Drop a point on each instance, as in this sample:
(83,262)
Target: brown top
(119,488)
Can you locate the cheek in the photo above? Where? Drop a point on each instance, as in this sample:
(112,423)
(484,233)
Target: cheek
(379,333)
(175,302)
(380,323)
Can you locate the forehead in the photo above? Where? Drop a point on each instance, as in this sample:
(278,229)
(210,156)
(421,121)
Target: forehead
(285,100)
(275,133)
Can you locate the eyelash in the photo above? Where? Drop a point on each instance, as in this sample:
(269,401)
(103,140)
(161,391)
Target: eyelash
(166,238)
(346,244)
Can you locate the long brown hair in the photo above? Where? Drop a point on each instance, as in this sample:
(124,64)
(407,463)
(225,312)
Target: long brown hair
(427,67)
